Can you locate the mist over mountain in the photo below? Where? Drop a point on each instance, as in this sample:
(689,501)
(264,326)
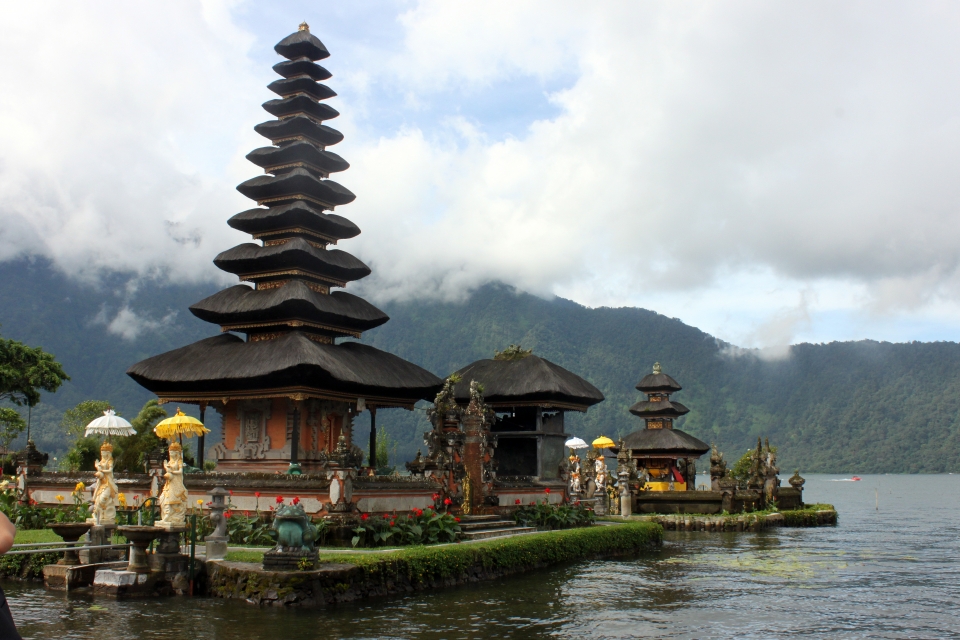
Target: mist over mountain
(863,406)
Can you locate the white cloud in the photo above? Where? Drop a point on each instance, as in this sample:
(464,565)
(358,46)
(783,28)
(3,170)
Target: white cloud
(696,146)
(128,324)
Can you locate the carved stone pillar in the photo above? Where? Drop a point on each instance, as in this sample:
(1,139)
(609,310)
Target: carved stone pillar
(472,463)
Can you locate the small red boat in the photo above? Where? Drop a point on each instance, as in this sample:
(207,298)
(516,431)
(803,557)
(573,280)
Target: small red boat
(855,478)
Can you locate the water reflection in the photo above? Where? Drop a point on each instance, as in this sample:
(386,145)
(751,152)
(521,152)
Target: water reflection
(886,573)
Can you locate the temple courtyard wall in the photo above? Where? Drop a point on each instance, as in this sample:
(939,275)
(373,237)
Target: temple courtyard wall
(371,494)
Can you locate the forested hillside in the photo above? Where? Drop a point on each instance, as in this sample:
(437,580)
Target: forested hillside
(840,407)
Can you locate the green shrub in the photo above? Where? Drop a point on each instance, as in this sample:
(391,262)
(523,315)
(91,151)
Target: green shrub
(544,515)
(419,527)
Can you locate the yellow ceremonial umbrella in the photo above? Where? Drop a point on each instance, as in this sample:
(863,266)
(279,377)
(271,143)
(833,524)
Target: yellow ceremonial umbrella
(603,442)
(178,426)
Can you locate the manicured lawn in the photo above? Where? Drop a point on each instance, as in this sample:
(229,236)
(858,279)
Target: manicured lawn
(29,536)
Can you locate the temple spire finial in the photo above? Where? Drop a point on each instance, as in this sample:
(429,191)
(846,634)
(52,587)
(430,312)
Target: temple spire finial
(656,368)
(303,26)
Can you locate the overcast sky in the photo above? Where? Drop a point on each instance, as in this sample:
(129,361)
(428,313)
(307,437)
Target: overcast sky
(769,172)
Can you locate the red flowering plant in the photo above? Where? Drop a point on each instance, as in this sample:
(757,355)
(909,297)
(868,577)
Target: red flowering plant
(419,527)
(244,527)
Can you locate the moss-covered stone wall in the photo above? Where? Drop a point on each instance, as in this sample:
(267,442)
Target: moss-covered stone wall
(378,574)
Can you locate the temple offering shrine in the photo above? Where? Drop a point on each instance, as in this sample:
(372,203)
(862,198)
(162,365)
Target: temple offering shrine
(529,395)
(665,457)
(291,386)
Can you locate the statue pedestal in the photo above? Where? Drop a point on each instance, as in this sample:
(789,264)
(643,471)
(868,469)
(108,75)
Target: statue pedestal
(216,547)
(98,535)
(284,560)
(166,562)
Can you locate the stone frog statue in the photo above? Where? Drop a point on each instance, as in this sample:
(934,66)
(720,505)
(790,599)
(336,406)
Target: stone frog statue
(292,529)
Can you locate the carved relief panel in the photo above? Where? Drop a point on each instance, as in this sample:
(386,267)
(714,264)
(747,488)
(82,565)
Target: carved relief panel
(253,442)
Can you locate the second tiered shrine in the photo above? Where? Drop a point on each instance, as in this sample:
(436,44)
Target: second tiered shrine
(284,374)
(666,457)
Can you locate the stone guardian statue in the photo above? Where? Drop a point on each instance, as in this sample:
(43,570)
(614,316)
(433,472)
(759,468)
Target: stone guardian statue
(173,498)
(105,492)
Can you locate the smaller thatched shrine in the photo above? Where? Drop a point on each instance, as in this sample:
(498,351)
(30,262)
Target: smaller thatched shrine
(530,396)
(665,457)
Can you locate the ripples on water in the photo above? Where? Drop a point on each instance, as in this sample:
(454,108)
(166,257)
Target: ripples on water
(887,573)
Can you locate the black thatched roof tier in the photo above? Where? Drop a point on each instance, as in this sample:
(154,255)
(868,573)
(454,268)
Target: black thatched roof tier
(302,44)
(531,379)
(225,364)
(301,67)
(286,187)
(299,127)
(302,84)
(296,253)
(294,300)
(271,157)
(300,104)
(661,409)
(295,215)
(658,382)
(664,441)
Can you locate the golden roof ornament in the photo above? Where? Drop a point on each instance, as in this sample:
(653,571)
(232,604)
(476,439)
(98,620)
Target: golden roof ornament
(656,368)
(304,26)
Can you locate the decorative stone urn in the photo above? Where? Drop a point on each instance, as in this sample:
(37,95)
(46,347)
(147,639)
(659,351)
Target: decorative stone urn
(70,532)
(140,537)
(796,481)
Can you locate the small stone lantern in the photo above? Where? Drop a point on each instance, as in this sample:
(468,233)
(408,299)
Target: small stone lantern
(217,541)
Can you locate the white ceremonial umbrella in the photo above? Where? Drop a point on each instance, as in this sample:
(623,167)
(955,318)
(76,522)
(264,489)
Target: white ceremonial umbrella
(575,443)
(109,424)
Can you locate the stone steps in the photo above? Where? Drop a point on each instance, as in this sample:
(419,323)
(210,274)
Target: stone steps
(471,525)
(502,532)
(478,518)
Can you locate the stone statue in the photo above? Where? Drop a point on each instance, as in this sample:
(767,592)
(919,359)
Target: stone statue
(173,498)
(105,492)
(718,468)
(757,468)
(293,530)
(771,481)
(613,498)
(688,472)
(626,499)
(575,483)
(574,463)
(600,468)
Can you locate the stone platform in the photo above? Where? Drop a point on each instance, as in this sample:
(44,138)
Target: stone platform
(60,577)
(126,584)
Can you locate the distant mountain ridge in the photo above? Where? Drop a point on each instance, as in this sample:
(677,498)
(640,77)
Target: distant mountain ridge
(866,406)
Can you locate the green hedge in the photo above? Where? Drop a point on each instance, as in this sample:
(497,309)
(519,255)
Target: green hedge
(423,566)
(26,567)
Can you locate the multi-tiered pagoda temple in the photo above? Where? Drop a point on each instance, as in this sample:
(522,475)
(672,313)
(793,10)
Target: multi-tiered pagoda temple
(289,380)
(667,455)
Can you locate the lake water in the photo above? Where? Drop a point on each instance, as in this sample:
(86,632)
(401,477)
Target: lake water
(887,573)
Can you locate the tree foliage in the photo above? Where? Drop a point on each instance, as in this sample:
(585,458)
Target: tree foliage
(128,452)
(130,457)
(26,371)
(12,424)
(75,420)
